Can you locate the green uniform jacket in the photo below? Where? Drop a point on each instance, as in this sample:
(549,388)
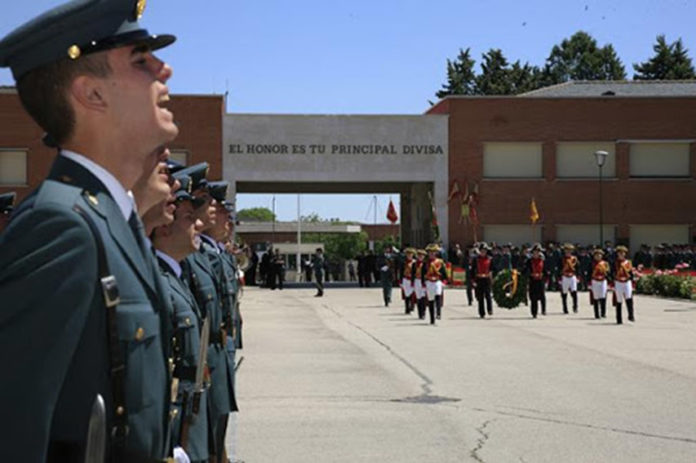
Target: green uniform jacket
(53,334)
(204,284)
(187,321)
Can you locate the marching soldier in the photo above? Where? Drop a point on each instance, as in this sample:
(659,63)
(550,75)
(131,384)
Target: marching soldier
(434,279)
(173,243)
(569,281)
(75,80)
(206,283)
(480,273)
(417,276)
(600,272)
(406,272)
(6,207)
(537,279)
(623,288)
(318,266)
(385,264)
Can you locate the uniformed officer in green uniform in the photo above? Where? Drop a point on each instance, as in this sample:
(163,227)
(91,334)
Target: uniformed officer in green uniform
(207,283)
(6,207)
(82,310)
(173,243)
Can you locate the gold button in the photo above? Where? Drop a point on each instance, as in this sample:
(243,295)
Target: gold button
(174,413)
(74,52)
(120,410)
(188,321)
(139,333)
(210,296)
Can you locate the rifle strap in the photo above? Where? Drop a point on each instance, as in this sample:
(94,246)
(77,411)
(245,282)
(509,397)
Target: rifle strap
(117,367)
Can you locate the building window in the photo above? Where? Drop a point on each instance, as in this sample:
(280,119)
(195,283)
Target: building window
(13,167)
(660,159)
(515,234)
(512,160)
(652,235)
(180,156)
(577,160)
(585,235)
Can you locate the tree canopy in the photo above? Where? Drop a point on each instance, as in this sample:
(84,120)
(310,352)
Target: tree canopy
(256,214)
(578,57)
(670,62)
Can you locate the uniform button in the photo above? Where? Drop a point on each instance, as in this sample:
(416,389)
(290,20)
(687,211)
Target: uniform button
(139,334)
(120,410)
(210,296)
(187,321)
(174,413)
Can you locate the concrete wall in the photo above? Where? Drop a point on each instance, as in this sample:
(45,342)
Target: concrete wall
(350,154)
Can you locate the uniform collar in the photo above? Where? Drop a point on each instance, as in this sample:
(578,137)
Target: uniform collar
(113,186)
(173,264)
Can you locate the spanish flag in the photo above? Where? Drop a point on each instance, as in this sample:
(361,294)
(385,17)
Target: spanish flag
(533,212)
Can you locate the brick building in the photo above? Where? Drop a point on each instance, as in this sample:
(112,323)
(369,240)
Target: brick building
(511,149)
(25,161)
(540,145)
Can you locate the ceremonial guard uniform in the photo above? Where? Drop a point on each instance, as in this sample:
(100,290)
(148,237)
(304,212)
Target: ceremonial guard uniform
(84,311)
(206,284)
(6,207)
(480,273)
(623,286)
(569,281)
(189,395)
(407,288)
(537,279)
(434,278)
(417,280)
(600,272)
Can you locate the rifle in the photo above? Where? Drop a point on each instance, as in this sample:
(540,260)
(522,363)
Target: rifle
(199,386)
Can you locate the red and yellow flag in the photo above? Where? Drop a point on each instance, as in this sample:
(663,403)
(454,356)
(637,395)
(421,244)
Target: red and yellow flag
(533,212)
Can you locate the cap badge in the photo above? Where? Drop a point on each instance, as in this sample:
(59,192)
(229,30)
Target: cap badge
(74,52)
(140,8)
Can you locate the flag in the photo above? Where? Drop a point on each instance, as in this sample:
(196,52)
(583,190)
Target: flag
(473,205)
(464,206)
(391,213)
(533,212)
(434,224)
(454,191)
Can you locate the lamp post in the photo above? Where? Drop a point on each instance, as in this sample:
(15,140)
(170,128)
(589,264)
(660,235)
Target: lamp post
(601,157)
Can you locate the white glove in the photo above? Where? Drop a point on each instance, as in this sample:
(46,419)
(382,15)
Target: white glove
(180,455)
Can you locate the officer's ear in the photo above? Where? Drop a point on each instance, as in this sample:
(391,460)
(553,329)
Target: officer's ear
(88,93)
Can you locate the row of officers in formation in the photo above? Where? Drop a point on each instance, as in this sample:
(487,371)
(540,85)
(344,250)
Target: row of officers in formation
(120,318)
(186,227)
(422,276)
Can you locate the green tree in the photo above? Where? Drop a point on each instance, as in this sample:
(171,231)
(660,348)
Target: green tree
(670,62)
(580,58)
(345,245)
(524,78)
(495,74)
(256,214)
(461,79)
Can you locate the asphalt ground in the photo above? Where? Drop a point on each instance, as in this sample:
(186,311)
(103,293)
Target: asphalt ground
(344,379)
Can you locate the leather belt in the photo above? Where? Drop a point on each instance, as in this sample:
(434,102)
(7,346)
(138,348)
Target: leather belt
(218,337)
(185,373)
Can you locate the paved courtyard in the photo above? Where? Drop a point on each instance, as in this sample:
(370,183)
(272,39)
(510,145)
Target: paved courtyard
(344,379)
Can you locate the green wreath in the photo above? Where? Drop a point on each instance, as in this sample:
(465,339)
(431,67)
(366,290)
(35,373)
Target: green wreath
(503,286)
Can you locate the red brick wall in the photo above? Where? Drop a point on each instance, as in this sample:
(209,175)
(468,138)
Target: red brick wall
(199,119)
(474,121)
(380,231)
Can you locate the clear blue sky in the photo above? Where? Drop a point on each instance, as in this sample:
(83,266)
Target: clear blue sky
(370,57)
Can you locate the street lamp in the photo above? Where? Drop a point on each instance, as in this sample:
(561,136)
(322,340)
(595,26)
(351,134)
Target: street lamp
(601,157)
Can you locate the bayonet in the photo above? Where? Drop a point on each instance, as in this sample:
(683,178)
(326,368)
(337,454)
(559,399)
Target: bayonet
(96,432)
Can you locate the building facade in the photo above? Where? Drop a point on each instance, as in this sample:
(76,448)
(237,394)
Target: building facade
(509,150)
